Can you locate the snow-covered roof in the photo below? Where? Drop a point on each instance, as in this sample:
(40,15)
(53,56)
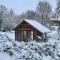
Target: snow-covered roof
(54,19)
(37,26)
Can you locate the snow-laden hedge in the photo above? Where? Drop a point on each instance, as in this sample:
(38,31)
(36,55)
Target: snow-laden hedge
(29,50)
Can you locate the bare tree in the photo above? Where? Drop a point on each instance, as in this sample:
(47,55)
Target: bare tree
(0,19)
(30,14)
(58,16)
(44,9)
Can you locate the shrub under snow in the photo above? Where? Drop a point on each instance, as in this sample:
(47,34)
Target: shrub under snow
(29,50)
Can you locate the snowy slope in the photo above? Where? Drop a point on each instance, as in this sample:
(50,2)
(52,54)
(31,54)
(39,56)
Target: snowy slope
(13,50)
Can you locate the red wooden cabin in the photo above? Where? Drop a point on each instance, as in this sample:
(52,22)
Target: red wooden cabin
(30,30)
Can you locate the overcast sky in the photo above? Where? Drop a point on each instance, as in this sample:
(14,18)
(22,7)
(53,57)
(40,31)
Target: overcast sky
(20,6)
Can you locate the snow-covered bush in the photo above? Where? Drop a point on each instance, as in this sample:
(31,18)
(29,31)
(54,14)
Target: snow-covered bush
(29,50)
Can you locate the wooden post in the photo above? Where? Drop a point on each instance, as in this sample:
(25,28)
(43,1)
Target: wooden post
(45,37)
(42,37)
(15,35)
(35,35)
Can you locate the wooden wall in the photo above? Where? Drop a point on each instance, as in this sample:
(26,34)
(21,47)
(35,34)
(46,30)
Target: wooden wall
(24,26)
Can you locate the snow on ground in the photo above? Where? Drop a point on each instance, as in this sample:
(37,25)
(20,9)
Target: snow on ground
(13,50)
(53,35)
(4,56)
(9,34)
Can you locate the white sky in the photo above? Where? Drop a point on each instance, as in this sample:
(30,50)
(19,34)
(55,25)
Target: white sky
(20,6)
